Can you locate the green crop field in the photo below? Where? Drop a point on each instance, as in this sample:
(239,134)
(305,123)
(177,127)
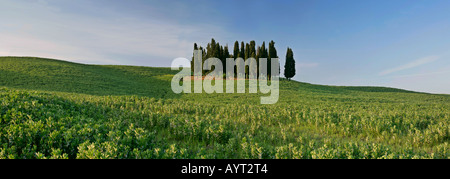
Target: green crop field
(57,109)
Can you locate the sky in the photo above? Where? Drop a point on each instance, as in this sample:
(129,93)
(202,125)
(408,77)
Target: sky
(395,43)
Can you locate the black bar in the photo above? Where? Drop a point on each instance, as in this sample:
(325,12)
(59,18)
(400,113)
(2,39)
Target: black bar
(226,167)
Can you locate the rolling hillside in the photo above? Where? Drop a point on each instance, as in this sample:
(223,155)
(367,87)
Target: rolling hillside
(62,76)
(58,109)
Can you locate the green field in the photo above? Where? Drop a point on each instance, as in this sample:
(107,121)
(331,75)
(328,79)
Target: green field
(58,109)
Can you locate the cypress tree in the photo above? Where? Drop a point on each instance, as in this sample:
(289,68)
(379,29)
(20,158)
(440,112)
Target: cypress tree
(242,51)
(216,51)
(216,54)
(272,54)
(266,52)
(247,55)
(272,50)
(247,51)
(258,54)
(203,53)
(236,49)
(208,51)
(252,47)
(213,43)
(262,53)
(203,57)
(192,61)
(226,55)
(208,54)
(226,52)
(289,66)
(220,56)
(255,71)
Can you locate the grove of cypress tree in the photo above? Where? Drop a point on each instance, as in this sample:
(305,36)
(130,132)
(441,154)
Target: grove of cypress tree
(245,51)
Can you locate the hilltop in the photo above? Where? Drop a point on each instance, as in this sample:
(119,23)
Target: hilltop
(63,76)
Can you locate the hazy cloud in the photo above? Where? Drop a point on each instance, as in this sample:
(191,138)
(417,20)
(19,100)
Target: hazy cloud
(409,65)
(307,65)
(423,74)
(40,28)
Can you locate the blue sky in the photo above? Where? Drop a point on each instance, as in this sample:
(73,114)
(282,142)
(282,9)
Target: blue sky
(396,43)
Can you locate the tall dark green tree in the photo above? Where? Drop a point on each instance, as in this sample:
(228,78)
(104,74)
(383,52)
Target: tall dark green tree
(192,61)
(242,51)
(272,54)
(289,66)
(262,54)
(203,57)
(209,51)
(213,43)
(253,71)
(247,51)
(221,56)
(263,51)
(252,47)
(226,55)
(226,52)
(258,54)
(216,53)
(210,48)
(236,49)
(247,55)
(272,50)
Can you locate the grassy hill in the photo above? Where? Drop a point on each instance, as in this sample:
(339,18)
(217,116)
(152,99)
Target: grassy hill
(58,109)
(62,76)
